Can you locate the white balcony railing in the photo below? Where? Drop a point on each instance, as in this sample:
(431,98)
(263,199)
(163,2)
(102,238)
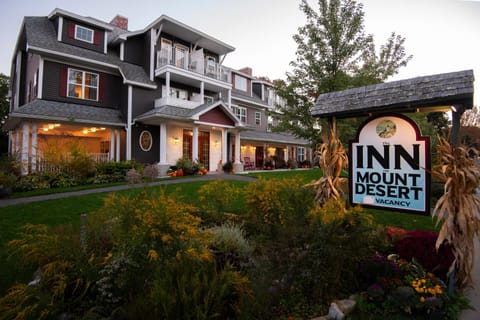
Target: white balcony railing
(193,62)
(175,102)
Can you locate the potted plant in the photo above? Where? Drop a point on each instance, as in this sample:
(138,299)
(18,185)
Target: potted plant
(227,167)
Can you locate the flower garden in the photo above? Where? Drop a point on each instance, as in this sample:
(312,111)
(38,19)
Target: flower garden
(262,250)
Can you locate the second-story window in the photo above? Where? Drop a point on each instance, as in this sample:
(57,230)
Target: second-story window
(83,34)
(240,83)
(241,113)
(258,118)
(82,84)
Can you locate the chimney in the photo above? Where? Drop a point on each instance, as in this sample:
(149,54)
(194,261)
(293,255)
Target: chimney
(120,21)
(246,70)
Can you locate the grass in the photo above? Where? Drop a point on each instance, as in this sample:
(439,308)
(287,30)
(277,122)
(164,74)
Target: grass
(68,211)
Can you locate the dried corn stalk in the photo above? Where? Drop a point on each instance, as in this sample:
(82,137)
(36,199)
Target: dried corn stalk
(332,159)
(459,207)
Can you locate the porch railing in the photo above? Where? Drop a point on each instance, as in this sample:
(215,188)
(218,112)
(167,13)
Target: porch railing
(193,62)
(41,164)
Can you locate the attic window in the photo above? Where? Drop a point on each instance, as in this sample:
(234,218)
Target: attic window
(83,34)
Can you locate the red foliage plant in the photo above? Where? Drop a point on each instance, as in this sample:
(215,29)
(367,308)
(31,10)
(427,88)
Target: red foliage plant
(420,245)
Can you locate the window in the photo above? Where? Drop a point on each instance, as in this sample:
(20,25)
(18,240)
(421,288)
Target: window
(241,113)
(82,85)
(211,65)
(240,83)
(258,118)
(269,123)
(145,140)
(300,154)
(83,34)
(181,56)
(179,93)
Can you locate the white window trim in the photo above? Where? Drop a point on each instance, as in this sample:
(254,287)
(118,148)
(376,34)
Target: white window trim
(186,51)
(301,154)
(88,29)
(258,118)
(237,76)
(239,113)
(83,84)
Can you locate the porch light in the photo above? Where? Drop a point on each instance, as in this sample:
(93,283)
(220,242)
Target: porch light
(51,126)
(175,140)
(85,131)
(56,125)
(45,129)
(93,129)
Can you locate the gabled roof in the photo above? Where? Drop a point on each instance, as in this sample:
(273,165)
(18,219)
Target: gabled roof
(428,92)
(93,22)
(41,38)
(185,114)
(184,32)
(62,111)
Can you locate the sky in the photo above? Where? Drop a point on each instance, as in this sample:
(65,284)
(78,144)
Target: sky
(442,35)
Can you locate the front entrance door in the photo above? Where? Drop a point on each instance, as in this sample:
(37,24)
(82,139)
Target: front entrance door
(204,148)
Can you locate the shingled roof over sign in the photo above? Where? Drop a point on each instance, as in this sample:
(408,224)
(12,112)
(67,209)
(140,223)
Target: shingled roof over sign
(428,92)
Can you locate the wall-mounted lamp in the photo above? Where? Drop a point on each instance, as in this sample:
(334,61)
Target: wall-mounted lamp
(176,140)
(215,143)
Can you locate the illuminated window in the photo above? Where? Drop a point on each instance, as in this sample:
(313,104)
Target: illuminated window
(82,85)
(83,34)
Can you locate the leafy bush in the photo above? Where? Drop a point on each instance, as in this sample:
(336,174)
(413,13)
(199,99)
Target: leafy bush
(420,245)
(136,252)
(273,203)
(117,168)
(405,290)
(186,165)
(215,199)
(150,171)
(230,245)
(133,176)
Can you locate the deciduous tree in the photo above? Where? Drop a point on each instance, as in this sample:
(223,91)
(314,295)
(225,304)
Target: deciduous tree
(333,53)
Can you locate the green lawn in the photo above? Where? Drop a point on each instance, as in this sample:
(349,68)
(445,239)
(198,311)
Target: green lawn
(68,211)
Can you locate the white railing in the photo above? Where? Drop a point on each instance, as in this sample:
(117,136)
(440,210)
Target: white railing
(175,102)
(193,62)
(40,164)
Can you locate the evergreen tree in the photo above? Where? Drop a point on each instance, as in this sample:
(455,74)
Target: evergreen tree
(333,53)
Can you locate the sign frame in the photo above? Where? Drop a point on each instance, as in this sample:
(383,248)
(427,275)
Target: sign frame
(355,175)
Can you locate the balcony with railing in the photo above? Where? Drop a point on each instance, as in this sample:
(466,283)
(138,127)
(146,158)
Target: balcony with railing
(194,62)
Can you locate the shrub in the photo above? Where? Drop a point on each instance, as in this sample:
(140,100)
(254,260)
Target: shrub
(115,171)
(420,245)
(230,245)
(292,164)
(150,171)
(186,165)
(215,199)
(273,203)
(133,176)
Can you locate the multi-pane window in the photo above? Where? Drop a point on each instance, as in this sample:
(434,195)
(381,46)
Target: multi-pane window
(241,113)
(300,154)
(258,118)
(269,123)
(84,34)
(240,83)
(82,85)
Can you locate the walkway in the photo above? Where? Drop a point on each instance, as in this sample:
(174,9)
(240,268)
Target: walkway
(208,177)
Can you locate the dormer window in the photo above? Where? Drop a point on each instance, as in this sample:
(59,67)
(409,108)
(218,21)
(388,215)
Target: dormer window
(240,83)
(84,34)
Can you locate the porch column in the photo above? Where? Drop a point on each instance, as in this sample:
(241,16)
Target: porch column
(117,149)
(17,141)
(112,144)
(237,165)
(25,147)
(286,153)
(167,85)
(34,147)
(128,143)
(163,143)
(202,92)
(195,143)
(224,145)
(229,98)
